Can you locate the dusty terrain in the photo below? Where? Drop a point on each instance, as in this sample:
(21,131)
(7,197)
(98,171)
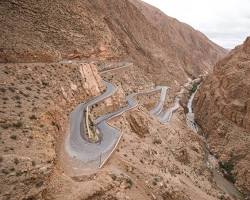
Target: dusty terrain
(117,41)
(153,161)
(34,111)
(222,108)
(48,31)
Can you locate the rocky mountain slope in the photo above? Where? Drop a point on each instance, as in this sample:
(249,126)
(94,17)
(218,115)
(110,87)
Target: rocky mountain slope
(50,31)
(185,48)
(152,161)
(34,112)
(222,108)
(54,55)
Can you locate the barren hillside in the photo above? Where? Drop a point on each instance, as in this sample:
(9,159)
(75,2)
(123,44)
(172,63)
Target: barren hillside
(184,48)
(51,31)
(222,109)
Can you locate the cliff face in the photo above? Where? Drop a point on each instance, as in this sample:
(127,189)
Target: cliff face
(182,47)
(117,29)
(222,108)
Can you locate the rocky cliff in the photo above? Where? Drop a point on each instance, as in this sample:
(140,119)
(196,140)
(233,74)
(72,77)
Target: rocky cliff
(50,31)
(222,108)
(179,47)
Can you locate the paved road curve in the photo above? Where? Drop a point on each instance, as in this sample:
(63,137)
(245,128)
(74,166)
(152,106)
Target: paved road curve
(76,146)
(97,153)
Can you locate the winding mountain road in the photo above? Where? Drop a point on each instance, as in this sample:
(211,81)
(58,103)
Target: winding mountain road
(98,153)
(166,116)
(159,106)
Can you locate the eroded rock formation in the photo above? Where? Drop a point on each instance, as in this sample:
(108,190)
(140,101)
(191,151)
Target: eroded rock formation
(222,108)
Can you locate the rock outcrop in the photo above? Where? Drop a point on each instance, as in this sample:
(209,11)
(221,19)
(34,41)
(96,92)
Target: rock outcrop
(139,124)
(92,81)
(222,109)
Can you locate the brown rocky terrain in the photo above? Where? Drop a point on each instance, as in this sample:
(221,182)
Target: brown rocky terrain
(186,50)
(153,161)
(222,108)
(54,55)
(34,111)
(48,31)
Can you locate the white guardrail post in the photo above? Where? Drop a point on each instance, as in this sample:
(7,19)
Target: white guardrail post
(87,121)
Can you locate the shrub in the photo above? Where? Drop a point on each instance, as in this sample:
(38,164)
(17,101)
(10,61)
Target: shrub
(28,88)
(16,161)
(5,171)
(18,173)
(113,176)
(39,184)
(5,125)
(194,87)
(33,163)
(33,117)
(154,183)
(157,141)
(228,167)
(18,106)
(45,83)
(2,90)
(12,169)
(129,182)
(11,89)
(17,97)
(13,137)
(18,124)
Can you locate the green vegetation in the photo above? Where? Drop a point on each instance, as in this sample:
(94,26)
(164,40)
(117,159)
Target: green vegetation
(194,87)
(129,182)
(228,167)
